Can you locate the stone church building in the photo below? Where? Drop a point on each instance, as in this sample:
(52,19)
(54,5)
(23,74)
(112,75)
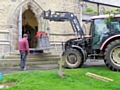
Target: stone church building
(17,16)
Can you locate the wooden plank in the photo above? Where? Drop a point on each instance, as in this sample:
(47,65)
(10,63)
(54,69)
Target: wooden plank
(98,77)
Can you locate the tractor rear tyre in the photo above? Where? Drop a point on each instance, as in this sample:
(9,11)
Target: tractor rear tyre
(112,55)
(73,58)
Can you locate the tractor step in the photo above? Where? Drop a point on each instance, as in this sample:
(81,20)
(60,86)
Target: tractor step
(95,55)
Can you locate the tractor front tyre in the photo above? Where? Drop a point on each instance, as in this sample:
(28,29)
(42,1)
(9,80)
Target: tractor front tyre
(112,55)
(73,58)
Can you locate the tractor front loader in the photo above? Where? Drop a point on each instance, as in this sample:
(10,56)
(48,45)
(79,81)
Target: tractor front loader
(103,41)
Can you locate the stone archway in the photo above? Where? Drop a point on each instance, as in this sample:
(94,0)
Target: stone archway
(13,20)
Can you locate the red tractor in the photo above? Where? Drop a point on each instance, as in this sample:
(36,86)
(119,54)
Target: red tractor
(103,41)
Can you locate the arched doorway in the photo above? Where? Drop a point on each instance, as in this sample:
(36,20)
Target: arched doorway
(30,26)
(25,6)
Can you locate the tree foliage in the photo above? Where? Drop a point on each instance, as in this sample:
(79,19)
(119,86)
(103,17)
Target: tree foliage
(90,11)
(111,13)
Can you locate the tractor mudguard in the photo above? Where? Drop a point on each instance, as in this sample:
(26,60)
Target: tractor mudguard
(84,53)
(107,40)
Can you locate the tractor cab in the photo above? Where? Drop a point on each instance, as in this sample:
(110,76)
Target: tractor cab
(102,30)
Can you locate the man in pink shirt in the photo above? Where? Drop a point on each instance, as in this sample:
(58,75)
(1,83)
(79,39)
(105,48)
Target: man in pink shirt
(23,47)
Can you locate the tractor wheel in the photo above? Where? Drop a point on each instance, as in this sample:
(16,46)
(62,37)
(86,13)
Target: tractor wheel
(112,55)
(73,58)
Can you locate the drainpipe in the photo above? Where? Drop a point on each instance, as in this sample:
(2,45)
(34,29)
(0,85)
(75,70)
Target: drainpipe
(11,26)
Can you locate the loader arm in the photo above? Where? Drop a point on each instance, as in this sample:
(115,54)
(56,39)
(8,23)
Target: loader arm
(61,16)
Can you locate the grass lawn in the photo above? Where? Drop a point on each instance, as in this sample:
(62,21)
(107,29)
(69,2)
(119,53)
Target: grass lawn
(75,80)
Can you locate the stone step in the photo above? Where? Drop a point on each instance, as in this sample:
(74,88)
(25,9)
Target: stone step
(17,62)
(57,52)
(17,53)
(32,61)
(13,59)
(31,56)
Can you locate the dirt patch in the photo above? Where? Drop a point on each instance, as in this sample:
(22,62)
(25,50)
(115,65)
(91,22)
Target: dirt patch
(6,85)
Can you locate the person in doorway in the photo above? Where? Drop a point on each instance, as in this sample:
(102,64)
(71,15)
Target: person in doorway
(29,37)
(23,47)
(23,31)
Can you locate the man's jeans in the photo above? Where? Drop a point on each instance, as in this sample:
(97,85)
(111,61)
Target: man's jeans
(23,55)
